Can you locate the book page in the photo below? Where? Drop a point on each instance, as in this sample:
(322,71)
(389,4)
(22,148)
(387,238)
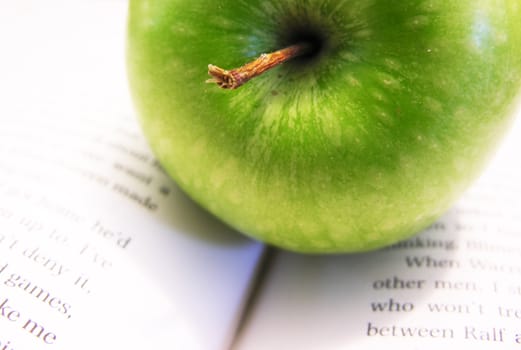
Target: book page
(98,247)
(457,285)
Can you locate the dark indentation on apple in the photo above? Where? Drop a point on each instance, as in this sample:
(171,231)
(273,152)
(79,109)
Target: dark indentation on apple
(308,34)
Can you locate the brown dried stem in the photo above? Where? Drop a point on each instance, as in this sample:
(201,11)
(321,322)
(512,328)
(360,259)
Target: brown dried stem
(232,79)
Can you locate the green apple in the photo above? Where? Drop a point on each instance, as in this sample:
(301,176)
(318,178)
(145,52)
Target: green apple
(363,142)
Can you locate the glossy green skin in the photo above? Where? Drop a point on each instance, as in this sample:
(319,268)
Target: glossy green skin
(366,146)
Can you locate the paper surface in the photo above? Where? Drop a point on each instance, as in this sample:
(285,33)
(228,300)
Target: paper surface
(98,248)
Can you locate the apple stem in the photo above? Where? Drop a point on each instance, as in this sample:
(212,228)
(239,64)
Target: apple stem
(232,79)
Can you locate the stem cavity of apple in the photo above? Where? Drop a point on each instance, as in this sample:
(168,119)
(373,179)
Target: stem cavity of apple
(235,78)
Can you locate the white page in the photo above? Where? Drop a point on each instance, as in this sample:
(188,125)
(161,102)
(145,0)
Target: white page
(455,286)
(98,248)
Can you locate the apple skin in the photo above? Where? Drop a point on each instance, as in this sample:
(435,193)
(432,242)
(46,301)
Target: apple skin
(364,144)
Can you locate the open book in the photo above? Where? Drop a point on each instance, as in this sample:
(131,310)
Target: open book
(99,249)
